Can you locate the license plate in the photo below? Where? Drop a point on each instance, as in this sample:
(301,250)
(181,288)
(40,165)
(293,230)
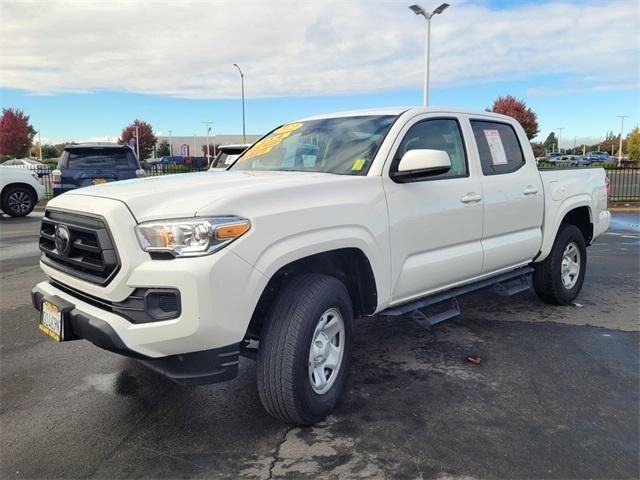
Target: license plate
(98,181)
(51,321)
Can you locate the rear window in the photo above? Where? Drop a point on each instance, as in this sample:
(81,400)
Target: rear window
(100,158)
(498,147)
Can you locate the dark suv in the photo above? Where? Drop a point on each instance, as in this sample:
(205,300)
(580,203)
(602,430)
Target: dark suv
(82,165)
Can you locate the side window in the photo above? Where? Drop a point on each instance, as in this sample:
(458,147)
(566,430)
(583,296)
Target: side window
(436,134)
(498,147)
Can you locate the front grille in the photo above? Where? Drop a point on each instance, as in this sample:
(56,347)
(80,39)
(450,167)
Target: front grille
(91,255)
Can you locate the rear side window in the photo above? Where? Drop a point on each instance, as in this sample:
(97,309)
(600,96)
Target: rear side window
(498,147)
(103,158)
(226,158)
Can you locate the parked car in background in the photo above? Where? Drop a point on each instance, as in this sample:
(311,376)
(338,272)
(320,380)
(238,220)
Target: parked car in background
(166,163)
(20,191)
(583,161)
(35,166)
(82,165)
(568,159)
(599,157)
(227,154)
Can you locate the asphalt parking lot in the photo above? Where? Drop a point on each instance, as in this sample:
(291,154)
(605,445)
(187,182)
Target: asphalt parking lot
(556,394)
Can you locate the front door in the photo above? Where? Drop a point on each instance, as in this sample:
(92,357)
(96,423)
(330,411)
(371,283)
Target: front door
(435,222)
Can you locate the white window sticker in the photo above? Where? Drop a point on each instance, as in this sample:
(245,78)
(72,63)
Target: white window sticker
(498,157)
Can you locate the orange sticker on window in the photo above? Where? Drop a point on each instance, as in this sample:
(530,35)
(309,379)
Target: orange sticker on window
(289,128)
(256,151)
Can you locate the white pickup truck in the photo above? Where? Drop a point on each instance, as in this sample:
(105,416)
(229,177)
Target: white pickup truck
(322,220)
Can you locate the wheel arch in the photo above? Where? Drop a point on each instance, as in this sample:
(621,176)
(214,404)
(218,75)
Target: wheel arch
(350,265)
(576,212)
(28,187)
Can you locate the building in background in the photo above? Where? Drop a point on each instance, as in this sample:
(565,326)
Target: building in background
(200,141)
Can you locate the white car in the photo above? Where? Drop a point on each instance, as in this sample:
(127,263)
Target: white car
(323,220)
(35,166)
(21,191)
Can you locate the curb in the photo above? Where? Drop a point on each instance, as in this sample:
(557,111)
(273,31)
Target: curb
(624,209)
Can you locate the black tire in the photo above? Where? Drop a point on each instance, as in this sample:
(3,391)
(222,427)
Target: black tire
(283,355)
(18,201)
(547,275)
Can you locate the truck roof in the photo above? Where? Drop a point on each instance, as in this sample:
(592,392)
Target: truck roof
(95,145)
(401,110)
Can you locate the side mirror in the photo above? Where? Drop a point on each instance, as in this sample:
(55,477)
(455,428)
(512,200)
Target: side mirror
(422,163)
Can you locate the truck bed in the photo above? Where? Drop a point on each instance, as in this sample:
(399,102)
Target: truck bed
(566,189)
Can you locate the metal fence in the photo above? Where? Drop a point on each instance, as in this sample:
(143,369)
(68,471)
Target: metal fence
(624,181)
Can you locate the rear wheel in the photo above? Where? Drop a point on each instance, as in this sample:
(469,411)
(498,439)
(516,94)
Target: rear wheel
(18,201)
(305,350)
(559,278)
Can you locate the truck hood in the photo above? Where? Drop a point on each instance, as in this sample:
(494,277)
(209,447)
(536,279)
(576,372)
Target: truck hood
(192,194)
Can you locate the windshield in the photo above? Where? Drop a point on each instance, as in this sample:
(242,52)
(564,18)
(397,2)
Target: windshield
(333,145)
(100,158)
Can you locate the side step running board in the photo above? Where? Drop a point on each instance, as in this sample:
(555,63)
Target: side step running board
(505,284)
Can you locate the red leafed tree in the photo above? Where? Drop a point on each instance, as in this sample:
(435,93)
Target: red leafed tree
(147,137)
(517,109)
(16,134)
(212,149)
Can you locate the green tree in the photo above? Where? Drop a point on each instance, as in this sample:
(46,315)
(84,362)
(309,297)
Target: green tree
(551,142)
(49,151)
(633,144)
(163,150)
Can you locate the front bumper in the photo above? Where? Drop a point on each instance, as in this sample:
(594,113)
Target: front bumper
(194,368)
(218,293)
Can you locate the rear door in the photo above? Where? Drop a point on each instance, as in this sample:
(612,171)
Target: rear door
(513,197)
(90,166)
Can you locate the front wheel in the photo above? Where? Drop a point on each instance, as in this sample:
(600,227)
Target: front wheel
(558,278)
(18,201)
(305,350)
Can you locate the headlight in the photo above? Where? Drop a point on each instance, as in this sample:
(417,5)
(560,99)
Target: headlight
(190,237)
(34,175)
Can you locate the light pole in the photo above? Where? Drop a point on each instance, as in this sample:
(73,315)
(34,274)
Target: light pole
(621,117)
(560,138)
(138,142)
(40,145)
(208,127)
(418,10)
(170,145)
(195,151)
(244,134)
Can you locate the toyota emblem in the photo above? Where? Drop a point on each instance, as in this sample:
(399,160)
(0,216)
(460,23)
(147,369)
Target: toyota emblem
(63,240)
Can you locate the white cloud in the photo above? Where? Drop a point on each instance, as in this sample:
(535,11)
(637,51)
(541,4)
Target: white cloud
(186,49)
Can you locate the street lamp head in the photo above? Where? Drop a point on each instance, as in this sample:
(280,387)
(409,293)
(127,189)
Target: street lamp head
(441,8)
(418,10)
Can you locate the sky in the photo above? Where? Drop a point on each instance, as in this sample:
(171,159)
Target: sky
(83,70)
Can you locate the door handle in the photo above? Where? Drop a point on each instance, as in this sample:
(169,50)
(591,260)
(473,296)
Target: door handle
(471,198)
(530,190)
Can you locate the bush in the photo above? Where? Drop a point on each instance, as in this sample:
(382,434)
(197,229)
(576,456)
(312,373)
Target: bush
(52,162)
